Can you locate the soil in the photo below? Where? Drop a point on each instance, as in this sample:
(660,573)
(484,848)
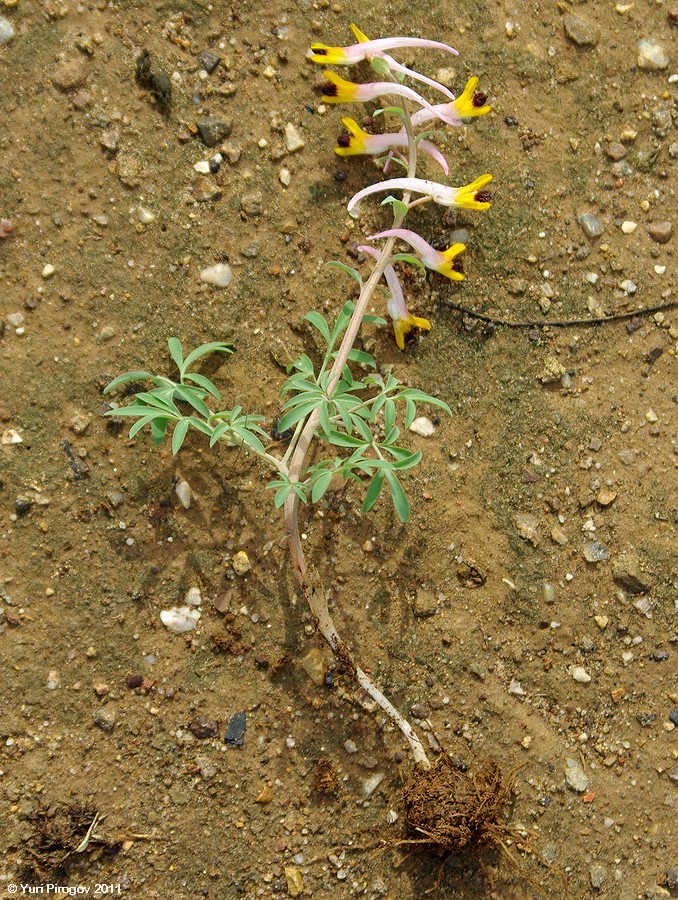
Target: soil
(527,611)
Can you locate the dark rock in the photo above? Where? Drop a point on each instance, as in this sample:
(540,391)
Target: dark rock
(135,681)
(672,879)
(208,60)
(235,733)
(212,130)
(673,716)
(645,719)
(22,505)
(661,232)
(660,656)
(203,727)
(627,573)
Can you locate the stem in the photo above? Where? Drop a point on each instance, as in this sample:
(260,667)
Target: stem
(308,578)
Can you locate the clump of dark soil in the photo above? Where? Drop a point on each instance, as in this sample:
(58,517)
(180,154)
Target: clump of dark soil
(448,810)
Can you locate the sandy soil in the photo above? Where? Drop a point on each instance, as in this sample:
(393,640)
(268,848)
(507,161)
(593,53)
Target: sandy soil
(561,449)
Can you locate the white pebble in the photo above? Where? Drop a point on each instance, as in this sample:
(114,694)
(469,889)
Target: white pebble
(371,784)
(203,166)
(580,674)
(183,492)
(193,597)
(10,436)
(660,270)
(180,619)
(285,177)
(6,30)
(652,56)
(629,227)
(516,688)
(53,680)
(48,271)
(220,275)
(391,816)
(145,216)
(628,286)
(15,319)
(423,427)
(293,140)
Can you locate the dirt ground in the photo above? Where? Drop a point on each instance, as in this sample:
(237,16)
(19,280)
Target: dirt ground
(525,614)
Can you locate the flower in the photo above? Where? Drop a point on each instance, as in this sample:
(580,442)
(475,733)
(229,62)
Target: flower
(341,91)
(470,196)
(359,143)
(403,320)
(467,105)
(367,49)
(441,261)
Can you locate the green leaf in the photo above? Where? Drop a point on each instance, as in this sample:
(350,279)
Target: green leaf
(360,356)
(373,491)
(320,484)
(318,320)
(203,350)
(400,502)
(249,438)
(362,428)
(204,383)
(295,415)
(389,414)
(433,132)
(410,412)
(408,258)
(392,110)
(406,459)
(399,208)
(125,379)
(159,401)
(158,426)
(176,353)
(192,397)
(139,424)
(324,417)
(380,66)
(349,271)
(391,158)
(179,435)
(219,432)
(339,439)
(200,425)
(374,320)
(136,409)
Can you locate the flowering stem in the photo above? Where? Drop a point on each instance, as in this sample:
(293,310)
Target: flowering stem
(308,578)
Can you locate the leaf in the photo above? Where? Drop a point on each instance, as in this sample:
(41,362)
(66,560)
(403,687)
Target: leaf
(324,417)
(380,66)
(249,438)
(179,435)
(295,415)
(191,397)
(139,424)
(374,320)
(400,209)
(410,412)
(320,484)
(408,461)
(176,353)
(360,356)
(400,501)
(389,414)
(159,400)
(391,158)
(281,495)
(373,491)
(349,271)
(219,432)
(199,425)
(318,320)
(362,428)
(158,426)
(392,110)
(339,439)
(203,350)
(204,383)
(125,379)
(409,258)
(433,132)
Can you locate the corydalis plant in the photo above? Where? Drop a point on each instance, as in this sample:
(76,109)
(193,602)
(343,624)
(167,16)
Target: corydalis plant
(359,418)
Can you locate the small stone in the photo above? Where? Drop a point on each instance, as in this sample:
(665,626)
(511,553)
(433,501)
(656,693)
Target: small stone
(423,427)
(652,56)
(293,140)
(580,31)
(105,718)
(16,319)
(79,423)
(203,727)
(601,622)
(109,139)
(516,688)
(220,275)
(646,719)
(598,875)
(371,784)
(516,286)
(235,733)
(193,597)
(606,496)
(527,526)
(628,286)
(53,680)
(70,75)
(575,776)
(559,536)
(203,188)
(295,883)
(180,619)
(595,552)
(672,876)
(590,225)
(285,177)
(548,592)
(222,603)
(208,61)
(106,334)
(580,674)
(135,681)
(265,795)
(315,666)
(628,227)
(48,271)
(661,232)
(22,505)
(552,370)
(627,573)
(183,492)
(6,31)
(616,151)
(241,563)
(252,203)
(479,671)
(145,216)
(425,604)
(212,130)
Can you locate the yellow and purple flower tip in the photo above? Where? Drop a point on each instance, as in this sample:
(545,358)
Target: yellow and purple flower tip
(442,261)
(403,320)
(469,104)
(366,49)
(470,196)
(339,90)
(357,142)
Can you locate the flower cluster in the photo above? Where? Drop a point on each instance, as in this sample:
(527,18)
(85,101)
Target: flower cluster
(399,146)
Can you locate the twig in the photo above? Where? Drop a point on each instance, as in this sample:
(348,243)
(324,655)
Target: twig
(560,323)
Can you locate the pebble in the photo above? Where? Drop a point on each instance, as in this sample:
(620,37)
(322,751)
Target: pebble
(6,31)
(202,166)
(425,604)
(371,784)
(193,597)
(145,216)
(235,733)
(516,688)
(208,61)
(350,746)
(15,319)
(598,875)
(628,227)
(53,680)
(595,552)
(652,56)
(70,75)
(616,151)
(606,496)
(285,177)
(252,203)
(135,681)
(479,671)
(575,776)
(79,423)
(628,286)
(203,727)
(661,232)
(106,334)
(105,718)
(48,271)
(241,563)
(183,492)
(212,130)
(548,592)
(423,427)
(601,622)
(293,140)
(180,619)
(580,674)
(580,31)
(220,275)
(295,883)
(627,573)
(6,228)
(528,527)
(315,666)
(590,225)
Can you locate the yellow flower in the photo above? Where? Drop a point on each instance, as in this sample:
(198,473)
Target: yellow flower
(403,326)
(470,104)
(472,196)
(339,90)
(447,268)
